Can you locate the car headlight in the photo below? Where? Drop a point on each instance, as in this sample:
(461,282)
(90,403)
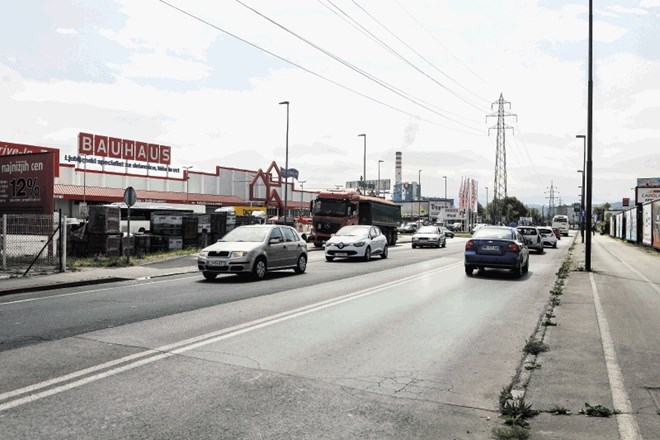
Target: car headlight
(238,254)
(204,254)
(359,243)
(415,238)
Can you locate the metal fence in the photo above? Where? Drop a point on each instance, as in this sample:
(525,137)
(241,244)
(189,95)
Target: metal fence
(31,243)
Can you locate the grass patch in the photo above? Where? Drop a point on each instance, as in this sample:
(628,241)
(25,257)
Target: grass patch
(555,301)
(535,347)
(103,261)
(549,323)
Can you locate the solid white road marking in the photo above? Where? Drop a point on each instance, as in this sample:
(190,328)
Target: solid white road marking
(153,355)
(628,429)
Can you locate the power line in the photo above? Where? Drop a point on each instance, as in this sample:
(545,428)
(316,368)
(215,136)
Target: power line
(438,42)
(393,51)
(367,75)
(318,75)
(422,57)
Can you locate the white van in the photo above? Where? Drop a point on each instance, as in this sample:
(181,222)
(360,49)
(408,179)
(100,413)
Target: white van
(561,222)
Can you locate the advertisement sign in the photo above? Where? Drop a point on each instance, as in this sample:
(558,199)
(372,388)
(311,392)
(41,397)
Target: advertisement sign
(123,149)
(656,224)
(414,209)
(647,224)
(649,182)
(26,183)
(631,225)
(10,149)
(619,225)
(385,184)
(645,195)
(451,214)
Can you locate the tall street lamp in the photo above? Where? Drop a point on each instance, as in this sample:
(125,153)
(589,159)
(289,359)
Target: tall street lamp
(378,184)
(364,163)
(286,161)
(187,180)
(419,194)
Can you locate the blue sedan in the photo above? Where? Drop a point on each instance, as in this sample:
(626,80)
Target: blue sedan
(497,247)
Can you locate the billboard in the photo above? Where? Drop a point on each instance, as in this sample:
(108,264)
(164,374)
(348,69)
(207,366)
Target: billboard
(656,224)
(385,184)
(26,183)
(649,182)
(125,149)
(645,195)
(631,225)
(10,149)
(647,225)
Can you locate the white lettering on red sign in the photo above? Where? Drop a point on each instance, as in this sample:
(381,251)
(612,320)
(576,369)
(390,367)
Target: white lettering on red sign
(104,146)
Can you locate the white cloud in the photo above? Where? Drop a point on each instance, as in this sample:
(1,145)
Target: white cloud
(623,10)
(649,4)
(66,31)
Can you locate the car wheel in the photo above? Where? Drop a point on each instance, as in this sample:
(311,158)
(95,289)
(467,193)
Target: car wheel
(367,253)
(301,265)
(329,258)
(385,252)
(259,269)
(209,275)
(525,268)
(469,270)
(444,243)
(318,244)
(413,246)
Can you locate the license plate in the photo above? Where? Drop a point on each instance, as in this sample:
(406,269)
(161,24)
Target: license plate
(341,254)
(490,248)
(216,263)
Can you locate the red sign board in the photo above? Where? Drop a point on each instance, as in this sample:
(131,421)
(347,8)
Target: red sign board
(10,149)
(26,183)
(105,146)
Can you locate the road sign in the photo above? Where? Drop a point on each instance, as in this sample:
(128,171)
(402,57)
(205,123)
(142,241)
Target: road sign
(130,196)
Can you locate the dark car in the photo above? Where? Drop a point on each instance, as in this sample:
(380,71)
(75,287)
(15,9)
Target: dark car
(499,247)
(448,233)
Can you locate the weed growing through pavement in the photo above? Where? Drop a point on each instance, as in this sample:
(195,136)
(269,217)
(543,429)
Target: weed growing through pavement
(535,347)
(559,410)
(597,411)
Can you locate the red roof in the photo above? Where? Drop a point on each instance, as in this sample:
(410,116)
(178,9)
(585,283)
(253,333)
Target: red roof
(99,194)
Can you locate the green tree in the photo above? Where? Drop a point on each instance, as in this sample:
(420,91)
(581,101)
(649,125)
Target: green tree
(509,209)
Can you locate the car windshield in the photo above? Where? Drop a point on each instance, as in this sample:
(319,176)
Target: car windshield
(255,234)
(494,233)
(527,231)
(427,230)
(353,231)
(545,231)
(330,207)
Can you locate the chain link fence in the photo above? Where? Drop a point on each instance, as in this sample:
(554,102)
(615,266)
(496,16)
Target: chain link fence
(31,243)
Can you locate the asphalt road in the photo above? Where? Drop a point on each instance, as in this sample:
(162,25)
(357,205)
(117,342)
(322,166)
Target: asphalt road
(407,347)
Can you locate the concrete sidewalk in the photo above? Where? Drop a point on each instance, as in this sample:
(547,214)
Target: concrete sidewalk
(97,275)
(574,369)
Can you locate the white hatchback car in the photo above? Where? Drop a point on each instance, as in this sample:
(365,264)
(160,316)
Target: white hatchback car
(548,236)
(356,241)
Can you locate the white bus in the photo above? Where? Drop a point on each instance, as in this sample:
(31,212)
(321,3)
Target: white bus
(561,222)
(141,213)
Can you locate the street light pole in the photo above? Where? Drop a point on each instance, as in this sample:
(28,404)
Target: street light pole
(419,194)
(187,180)
(364,163)
(378,184)
(286,162)
(589,169)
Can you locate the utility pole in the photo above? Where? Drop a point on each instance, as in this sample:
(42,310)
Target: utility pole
(500,184)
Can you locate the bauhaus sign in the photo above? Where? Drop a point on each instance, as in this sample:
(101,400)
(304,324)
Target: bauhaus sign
(116,148)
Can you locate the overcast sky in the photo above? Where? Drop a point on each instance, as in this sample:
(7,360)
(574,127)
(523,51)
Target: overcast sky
(416,76)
